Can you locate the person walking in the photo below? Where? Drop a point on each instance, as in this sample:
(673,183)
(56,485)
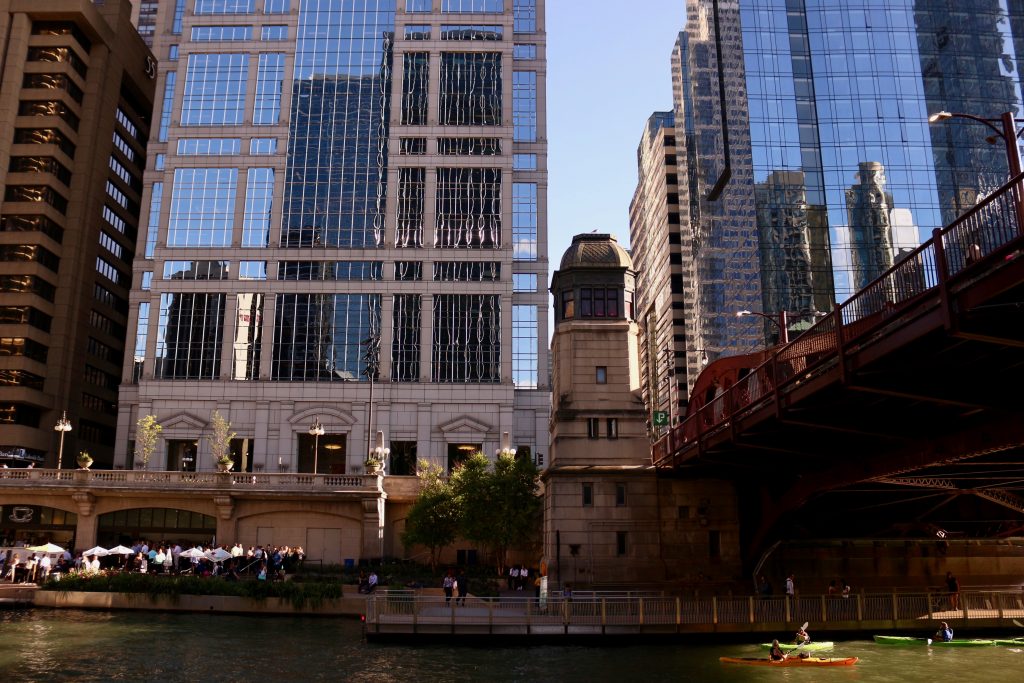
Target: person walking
(448,585)
(953,586)
(791,585)
(462,584)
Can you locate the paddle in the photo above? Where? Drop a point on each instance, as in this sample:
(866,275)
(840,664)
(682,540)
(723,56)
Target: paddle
(803,628)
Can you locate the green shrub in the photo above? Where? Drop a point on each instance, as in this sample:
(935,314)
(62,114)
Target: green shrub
(299,594)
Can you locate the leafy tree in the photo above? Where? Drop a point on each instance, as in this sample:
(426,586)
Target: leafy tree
(433,520)
(147,432)
(500,505)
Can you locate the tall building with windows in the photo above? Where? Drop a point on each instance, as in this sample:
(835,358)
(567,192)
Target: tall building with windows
(77,92)
(809,162)
(655,216)
(346,225)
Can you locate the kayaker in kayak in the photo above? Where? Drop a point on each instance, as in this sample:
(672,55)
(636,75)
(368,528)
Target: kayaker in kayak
(945,633)
(776,654)
(802,637)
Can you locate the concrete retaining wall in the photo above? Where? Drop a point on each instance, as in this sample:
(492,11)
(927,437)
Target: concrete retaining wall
(346,606)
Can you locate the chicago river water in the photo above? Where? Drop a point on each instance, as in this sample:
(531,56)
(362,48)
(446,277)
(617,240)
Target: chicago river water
(67,645)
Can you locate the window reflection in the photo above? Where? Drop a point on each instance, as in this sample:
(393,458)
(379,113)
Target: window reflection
(524,221)
(467,338)
(470,89)
(248,336)
(214,89)
(317,336)
(524,106)
(405,344)
(524,347)
(259,200)
(202,207)
(189,336)
(468,211)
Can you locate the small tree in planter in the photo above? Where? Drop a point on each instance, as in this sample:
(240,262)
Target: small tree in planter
(147,432)
(220,441)
(84,459)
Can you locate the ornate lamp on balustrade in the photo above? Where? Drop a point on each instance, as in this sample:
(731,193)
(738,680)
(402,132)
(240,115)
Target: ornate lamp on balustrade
(376,458)
(63,426)
(316,430)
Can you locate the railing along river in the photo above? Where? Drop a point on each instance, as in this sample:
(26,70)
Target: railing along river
(404,612)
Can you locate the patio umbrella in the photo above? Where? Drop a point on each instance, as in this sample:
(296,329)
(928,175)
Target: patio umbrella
(101,552)
(120,550)
(218,555)
(48,549)
(192,553)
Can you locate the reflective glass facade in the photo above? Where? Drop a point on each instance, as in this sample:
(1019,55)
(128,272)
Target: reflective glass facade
(363,189)
(336,183)
(835,170)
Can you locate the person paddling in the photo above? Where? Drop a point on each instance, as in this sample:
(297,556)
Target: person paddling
(776,654)
(802,637)
(945,633)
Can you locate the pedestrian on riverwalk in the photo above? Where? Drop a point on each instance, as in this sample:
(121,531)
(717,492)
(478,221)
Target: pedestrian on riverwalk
(448,585)
(953,586)
(462,584)
(791,585)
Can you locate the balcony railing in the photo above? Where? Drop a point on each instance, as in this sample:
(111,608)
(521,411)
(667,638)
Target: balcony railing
(236,481)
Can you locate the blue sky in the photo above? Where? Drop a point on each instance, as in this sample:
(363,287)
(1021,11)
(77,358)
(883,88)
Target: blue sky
(607,72)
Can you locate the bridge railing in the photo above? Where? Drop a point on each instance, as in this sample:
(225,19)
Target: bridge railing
(952,252)
(773,611)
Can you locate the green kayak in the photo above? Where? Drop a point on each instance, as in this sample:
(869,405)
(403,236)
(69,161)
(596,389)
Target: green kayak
(1010,642)
(906,640)
(809,647)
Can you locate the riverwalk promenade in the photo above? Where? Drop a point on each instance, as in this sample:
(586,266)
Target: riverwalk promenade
(404,614)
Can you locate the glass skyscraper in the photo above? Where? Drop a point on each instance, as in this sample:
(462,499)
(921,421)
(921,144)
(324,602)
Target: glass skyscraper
(342,189)
(802,129)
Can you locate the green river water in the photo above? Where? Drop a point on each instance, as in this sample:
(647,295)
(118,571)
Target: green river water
(67,645)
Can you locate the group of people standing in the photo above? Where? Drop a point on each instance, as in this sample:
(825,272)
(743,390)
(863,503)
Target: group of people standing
(34,568)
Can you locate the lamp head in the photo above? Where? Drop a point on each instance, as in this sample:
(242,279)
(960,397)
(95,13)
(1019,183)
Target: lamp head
(740,314)
(939,116)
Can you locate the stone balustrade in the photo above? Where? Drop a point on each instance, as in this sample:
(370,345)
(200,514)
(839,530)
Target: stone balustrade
(157,479)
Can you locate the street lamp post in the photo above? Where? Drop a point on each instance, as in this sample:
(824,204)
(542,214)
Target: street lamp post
(316,430)
(506,447)
(63,426)
(372,359)
(1008,132)
(782,322)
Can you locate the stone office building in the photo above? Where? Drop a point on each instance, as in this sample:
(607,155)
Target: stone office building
(341,191)
(76,96)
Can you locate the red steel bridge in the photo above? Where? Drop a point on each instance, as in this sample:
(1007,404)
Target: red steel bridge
(901,413)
